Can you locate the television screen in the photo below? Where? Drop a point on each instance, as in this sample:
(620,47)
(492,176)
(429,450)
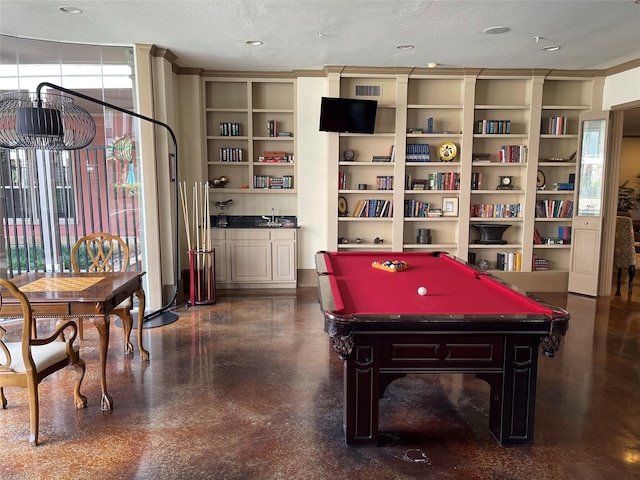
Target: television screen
(347,115)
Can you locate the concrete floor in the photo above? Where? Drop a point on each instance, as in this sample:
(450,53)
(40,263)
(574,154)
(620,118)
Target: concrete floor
(249,388)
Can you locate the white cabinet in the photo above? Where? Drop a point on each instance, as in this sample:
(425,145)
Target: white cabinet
(255,258)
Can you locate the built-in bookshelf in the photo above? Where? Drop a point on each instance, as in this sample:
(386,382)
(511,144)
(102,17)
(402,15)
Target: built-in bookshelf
(250,137)
(506,127)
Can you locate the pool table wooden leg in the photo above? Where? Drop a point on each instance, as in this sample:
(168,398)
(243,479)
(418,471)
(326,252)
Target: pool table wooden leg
(513,392)
(361,393)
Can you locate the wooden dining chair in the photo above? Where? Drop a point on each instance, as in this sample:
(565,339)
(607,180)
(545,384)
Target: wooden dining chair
(25,363)
(104,252)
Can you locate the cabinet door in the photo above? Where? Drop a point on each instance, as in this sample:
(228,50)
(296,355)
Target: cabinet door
(250,261)
(284,261)
(221,261)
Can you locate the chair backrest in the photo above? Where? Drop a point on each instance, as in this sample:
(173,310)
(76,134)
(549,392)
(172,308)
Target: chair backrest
(100,252)
(28,329)
(624,253)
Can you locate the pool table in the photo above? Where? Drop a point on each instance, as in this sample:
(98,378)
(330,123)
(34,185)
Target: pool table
(469,321)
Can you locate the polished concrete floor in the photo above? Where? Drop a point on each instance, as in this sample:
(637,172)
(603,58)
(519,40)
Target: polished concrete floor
(250,389)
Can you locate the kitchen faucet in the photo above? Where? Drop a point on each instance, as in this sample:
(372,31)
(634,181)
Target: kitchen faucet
(273,216)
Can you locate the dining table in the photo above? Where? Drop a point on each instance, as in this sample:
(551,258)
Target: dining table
(80,295)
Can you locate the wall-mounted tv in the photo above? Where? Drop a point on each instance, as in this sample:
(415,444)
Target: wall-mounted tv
(347,115)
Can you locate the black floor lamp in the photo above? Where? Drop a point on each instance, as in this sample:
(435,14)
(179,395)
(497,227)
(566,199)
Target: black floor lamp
(46,121)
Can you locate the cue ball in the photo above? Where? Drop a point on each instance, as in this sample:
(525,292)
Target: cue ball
(422,291)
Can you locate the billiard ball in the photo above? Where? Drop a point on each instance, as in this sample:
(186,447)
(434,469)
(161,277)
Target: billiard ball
(422,291)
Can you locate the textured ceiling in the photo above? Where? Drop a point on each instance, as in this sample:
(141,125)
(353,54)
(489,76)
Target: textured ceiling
(310,34)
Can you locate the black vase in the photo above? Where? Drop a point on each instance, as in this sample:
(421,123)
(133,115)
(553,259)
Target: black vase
(490,233)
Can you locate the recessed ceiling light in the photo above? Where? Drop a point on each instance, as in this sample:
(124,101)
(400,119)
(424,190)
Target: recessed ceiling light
(73,10)
(495,30)
(432,65)
(551,48)
(404,46)
(253,43)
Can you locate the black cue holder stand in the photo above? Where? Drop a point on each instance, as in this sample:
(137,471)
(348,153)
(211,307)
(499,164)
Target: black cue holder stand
(490,233)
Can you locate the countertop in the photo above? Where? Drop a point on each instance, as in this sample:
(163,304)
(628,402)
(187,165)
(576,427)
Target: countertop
(255,221)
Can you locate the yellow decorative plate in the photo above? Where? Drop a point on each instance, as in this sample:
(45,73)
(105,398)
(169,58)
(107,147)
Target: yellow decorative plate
(447,151)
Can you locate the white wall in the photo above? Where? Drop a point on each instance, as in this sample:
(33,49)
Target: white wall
(621,88)
(312,158)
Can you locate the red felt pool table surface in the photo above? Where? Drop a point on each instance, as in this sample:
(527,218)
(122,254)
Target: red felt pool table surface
(453,287)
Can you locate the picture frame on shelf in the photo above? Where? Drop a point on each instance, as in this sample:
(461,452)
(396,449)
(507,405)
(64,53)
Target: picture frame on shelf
(450,206)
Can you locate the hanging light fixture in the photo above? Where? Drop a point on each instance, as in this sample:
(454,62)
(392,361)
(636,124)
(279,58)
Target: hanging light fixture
(46,121)
(43,121)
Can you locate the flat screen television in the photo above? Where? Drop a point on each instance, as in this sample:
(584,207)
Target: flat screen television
(347,115)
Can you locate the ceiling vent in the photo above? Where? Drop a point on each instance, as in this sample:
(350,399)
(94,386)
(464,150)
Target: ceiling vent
(369,91)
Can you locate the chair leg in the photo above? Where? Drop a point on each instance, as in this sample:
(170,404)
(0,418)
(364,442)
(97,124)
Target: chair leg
(3,398)
(619,280)
(632,273)
(34,411)
(80,329)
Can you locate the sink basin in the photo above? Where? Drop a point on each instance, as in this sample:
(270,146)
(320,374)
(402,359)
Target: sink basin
(270,224)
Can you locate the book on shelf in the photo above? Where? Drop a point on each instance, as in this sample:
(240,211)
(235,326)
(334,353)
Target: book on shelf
(272,128)
(554,208)
(416,208)
(564,232)
(513,154)
(384,182)
(230,129)
(373,208)
(417,152)
(381,158)
(430,125)
(509,261)
(492,127)
(490,210)
(231,155)
(554,126)
(476,180)
(539,263)
(343,178)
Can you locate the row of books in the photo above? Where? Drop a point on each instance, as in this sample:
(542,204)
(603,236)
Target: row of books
(343,180)
(272,128)
(476,180)
(230,129)
(554,208)
(509,261)
(275,157)
(434,181)
(513,154)
(563,238)
(267,181)
(384,182)
(418,152)
(491,210)
(416,209)
(554,126)
(374,208)
(492,127)
(231,154)
(539,264)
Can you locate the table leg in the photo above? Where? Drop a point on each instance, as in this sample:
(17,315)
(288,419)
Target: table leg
(101,322)
(144,354)
(513,393)
(361,394)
